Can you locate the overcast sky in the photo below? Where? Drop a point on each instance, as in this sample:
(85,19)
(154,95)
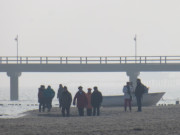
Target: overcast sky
(89,27)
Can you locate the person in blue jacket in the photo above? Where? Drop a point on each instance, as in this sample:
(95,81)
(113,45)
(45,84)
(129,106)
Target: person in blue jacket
(49,95)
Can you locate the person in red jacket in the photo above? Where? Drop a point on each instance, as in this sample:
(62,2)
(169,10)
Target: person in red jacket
(89,106)
(81,101)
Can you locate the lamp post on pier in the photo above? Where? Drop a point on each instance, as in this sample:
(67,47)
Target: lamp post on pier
(16,39)
(135,39)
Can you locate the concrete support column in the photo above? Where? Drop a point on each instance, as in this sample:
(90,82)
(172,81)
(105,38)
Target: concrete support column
(133,75)
(14,76)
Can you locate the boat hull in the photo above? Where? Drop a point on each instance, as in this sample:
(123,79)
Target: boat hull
(148,99)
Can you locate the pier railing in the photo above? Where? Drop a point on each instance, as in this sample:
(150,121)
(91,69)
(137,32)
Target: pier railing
(89,60)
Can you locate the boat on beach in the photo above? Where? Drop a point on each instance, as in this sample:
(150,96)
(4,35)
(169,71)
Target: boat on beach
(148,99)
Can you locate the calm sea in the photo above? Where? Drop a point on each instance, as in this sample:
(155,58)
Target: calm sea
(108,84)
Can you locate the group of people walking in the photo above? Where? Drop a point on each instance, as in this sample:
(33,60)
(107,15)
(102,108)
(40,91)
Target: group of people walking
(90,100)
(129,91)
(45,96)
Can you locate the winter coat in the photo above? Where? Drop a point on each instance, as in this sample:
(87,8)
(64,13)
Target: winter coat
(41,95)
(88,96)
(49,93)
(96,98)
(81,99)
(127,94)
(139,91)
(66,99)
(60,90)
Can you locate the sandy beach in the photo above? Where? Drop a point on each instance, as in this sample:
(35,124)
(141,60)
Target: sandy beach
(157,120)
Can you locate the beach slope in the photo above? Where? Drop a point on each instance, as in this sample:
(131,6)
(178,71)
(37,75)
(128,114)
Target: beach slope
(161,120)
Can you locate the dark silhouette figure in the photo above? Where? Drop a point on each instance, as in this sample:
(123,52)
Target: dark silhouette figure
(41,98)
(66,100)
(49,95)
(81,101)
(60,90)
(139,91)
(96,100)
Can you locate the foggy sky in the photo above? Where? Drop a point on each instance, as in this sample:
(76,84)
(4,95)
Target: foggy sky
(89,28)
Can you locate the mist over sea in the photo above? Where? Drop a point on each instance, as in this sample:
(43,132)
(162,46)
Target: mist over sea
(108,84)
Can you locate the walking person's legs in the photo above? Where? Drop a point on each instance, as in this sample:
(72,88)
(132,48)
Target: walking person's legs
(40,104)
(49,104)
(98,110)
(139,103)
(59,103)
(44,106)
(94,111)
(125,104)
(63,111)
(81,111)
(89,112)
(130,105)
(68,111)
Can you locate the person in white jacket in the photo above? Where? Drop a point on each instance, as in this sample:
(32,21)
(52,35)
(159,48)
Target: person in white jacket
(127,90)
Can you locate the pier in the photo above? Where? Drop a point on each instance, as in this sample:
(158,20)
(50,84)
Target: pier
(14,66)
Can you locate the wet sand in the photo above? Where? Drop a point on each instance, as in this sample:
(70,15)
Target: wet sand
(160,120)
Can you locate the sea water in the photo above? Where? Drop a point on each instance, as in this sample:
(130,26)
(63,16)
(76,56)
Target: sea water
(108,84)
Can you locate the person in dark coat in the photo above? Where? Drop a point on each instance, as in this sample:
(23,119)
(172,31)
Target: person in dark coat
(49,95)
(41,98)
(139,91)
(81,101)
(60,90)
(96,100)
(66,100)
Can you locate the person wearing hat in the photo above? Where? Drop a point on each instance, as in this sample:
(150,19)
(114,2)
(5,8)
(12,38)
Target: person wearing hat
(81,101)
(41,98)
(66,100)
(96,100)
(89,106)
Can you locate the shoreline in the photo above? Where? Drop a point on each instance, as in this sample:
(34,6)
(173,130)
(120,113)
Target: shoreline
(160,120)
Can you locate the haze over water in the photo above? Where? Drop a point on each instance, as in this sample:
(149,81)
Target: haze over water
(108,83)
(90,28)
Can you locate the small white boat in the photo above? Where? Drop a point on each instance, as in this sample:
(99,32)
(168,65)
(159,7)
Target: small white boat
(148,99)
